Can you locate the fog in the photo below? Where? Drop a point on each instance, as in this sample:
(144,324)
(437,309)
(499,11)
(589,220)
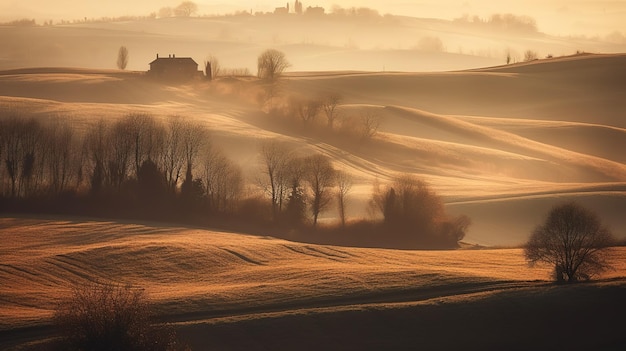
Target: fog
(553,16)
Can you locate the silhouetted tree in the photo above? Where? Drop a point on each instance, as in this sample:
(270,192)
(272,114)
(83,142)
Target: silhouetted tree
(223,181)
(152,187)
(122,58)
(173,156)
(96,148)
(320,177)
(62,159)
(271,64)
(344,185)
(409,206)
(370,122)
(21,137)
(275,157)
(211,67)
(186,9)
(121,143)
(573,239)
(305,109)
(147,137)
(329,104)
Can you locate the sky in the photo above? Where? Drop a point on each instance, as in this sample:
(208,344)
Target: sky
(558,17)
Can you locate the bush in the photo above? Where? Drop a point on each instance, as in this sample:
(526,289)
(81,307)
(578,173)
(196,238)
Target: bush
(110,317)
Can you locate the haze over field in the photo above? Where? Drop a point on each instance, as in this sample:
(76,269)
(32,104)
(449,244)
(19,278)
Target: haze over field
(504,109)
(424,36)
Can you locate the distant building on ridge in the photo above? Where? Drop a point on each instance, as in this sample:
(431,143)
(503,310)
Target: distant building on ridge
(174,68)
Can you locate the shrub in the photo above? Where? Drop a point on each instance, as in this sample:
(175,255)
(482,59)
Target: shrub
(110,317)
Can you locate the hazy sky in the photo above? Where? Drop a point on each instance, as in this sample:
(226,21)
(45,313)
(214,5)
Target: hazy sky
(553,16)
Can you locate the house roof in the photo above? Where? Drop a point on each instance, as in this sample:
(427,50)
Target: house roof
(177,60)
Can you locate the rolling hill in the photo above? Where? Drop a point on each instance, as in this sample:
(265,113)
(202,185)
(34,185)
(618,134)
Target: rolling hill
(214,286)
(492,140)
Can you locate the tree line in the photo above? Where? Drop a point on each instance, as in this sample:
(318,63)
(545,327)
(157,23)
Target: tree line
(145,167)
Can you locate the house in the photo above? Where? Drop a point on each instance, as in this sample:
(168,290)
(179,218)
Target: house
(174,68)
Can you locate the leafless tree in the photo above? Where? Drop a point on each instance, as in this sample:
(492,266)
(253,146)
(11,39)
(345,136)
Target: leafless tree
(147,136)
(21,138)
(344,186)
(122,58)
(96,148)
(530,55)
(62,155)
(306,109)
(320,177)
(173,155)
(194,138)
(573,239)
(212,67)
(223,181)
(329,103)
(275,157)
(370,122)
(271,64)
(186,9)
(121,143)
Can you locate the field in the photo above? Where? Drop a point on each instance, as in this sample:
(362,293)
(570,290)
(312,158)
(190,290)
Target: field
(501,144)
(234,291)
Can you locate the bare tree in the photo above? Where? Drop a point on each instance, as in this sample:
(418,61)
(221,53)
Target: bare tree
(21,138)
(530,55)
(573,239)
(186,9)
(122,58)
(62,150)
(96,150)
(329,104)
(320,177)
(173,155)
(146,135)
(275,157)
(211,67)
(306,109)
(223,181)
(120,142)
(344,185)
(194,137)
(370,122)
(271,64)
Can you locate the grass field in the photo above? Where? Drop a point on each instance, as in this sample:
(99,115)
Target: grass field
(214,285)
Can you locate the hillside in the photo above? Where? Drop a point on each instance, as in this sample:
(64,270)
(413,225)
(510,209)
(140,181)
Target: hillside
(508,140)
(218,282)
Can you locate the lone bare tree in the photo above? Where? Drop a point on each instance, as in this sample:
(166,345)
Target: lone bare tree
(186,9)
(122,58)
(573,240)
(271,64)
